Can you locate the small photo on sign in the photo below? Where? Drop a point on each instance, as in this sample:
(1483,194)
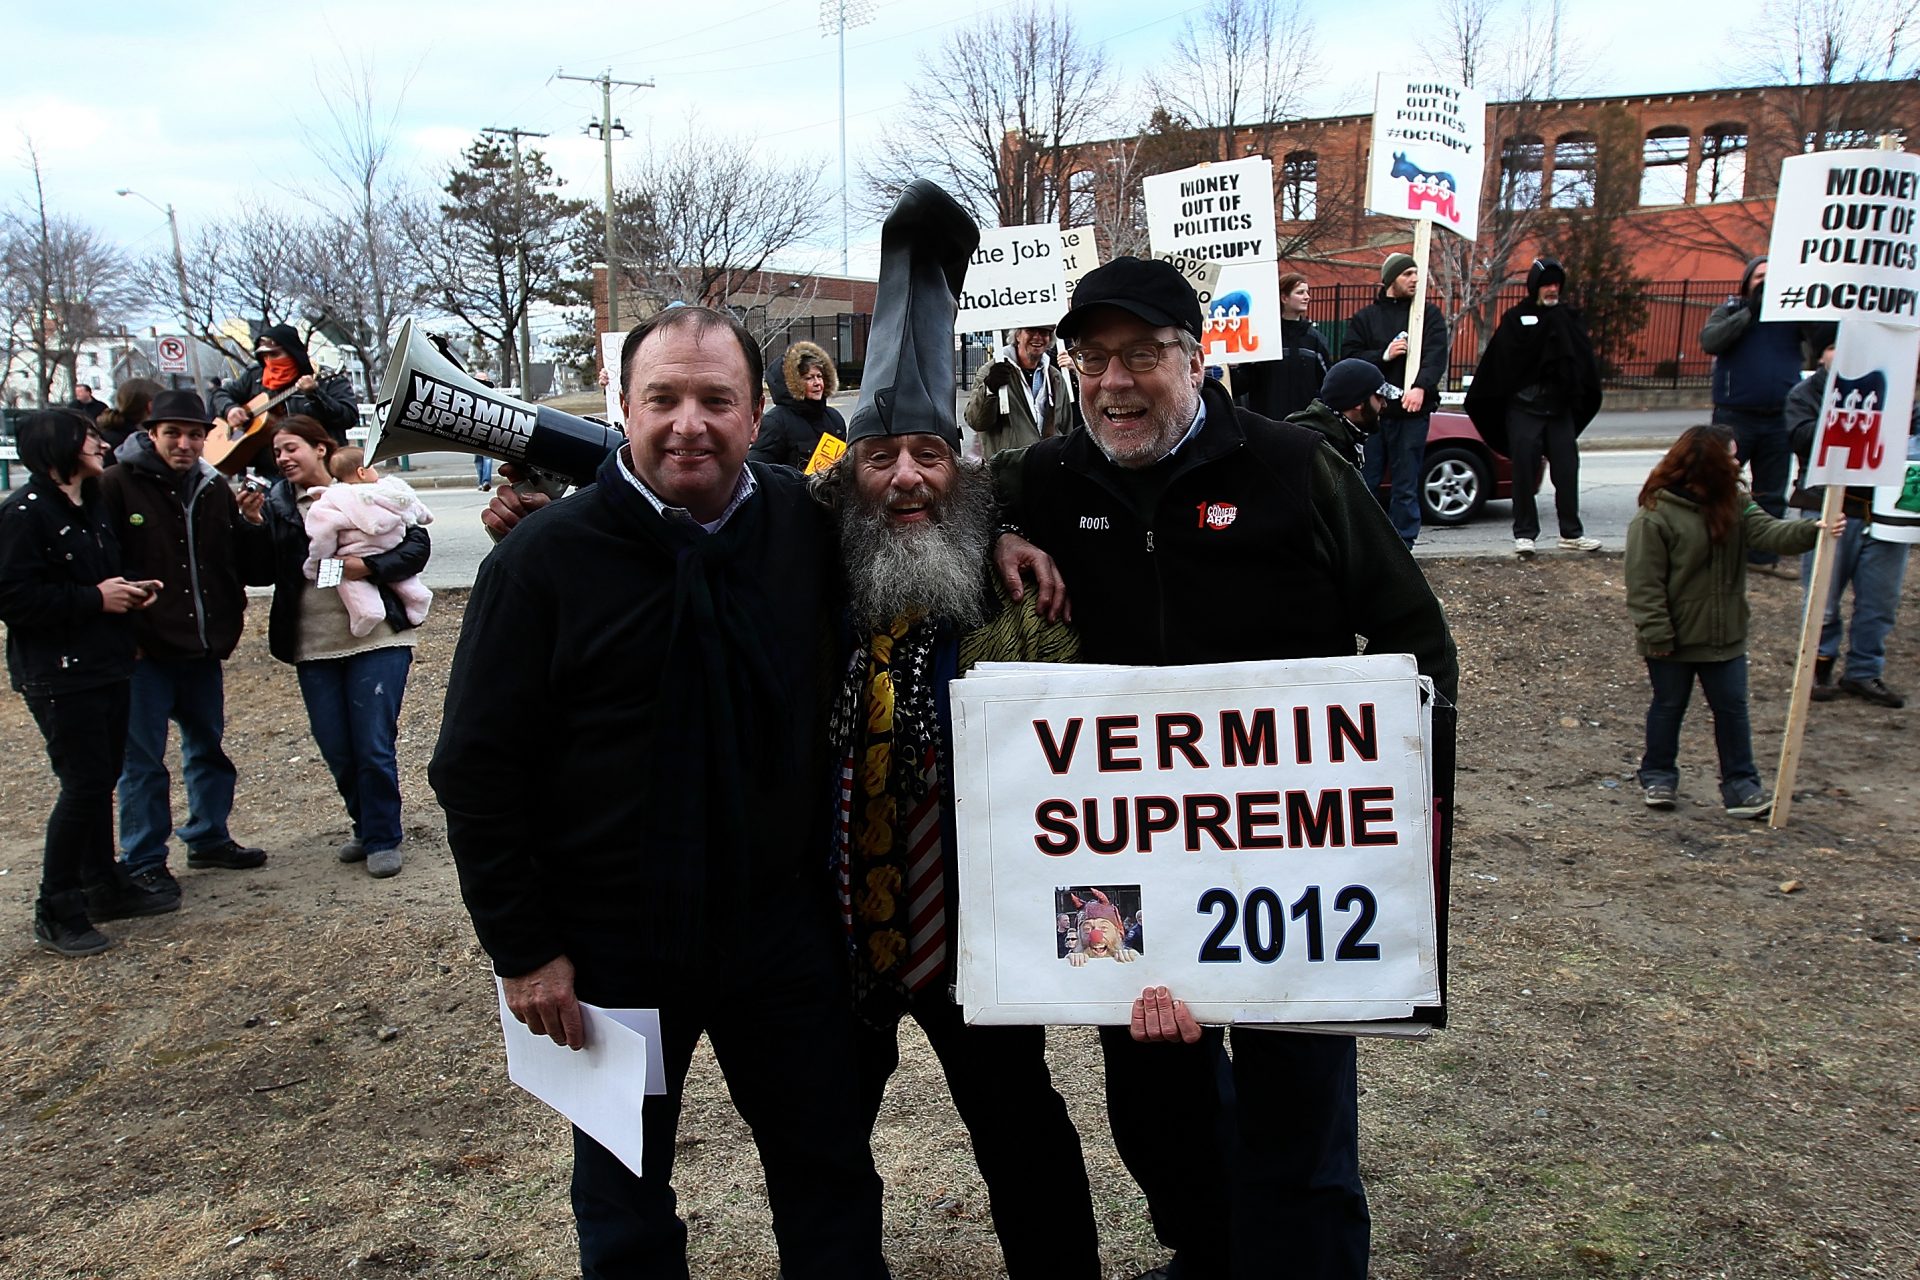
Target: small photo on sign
(1098,922)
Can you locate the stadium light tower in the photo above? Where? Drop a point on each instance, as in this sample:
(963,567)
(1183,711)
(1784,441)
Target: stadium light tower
(835,17)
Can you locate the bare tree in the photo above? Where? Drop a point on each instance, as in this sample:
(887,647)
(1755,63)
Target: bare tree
(358,273)
(70,283)
(702,219)
(994,113)
(1239,64)
(246,267)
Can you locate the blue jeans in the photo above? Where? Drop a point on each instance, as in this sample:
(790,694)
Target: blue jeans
(353,708)
(190,693)
(1876,569)
(1725,684)
(1760,442)
(483,468)
(1400,447)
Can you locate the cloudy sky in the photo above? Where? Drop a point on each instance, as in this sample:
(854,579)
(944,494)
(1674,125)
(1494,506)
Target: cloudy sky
(203,104)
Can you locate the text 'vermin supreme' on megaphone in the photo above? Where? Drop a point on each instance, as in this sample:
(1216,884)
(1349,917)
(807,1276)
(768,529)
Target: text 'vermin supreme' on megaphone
(428,404)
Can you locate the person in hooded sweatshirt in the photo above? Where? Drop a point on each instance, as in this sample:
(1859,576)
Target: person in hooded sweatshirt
(1755,365)
(1282,387)
(1537,388)
(284,363)
(791,431)
(178,521)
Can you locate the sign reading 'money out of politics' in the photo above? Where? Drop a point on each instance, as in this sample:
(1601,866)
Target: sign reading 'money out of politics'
(1845,244)
(1215,223)
(1257,837)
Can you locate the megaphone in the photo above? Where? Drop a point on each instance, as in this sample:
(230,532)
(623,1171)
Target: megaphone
(428,404)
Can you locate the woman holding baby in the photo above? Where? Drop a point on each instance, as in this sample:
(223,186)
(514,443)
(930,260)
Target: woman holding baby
(348,549)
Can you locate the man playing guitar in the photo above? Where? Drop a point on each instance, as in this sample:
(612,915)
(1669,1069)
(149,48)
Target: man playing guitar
(284,365)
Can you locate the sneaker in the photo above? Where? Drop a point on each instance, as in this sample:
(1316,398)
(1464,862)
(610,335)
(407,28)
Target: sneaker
(1754,804)
(1824,689)
(1660,795)
(1579,544)
(123,898)
(1523,547)
(382,863)
(353,850)
(158,880)
(231,856)
(74,936)
(1874,690)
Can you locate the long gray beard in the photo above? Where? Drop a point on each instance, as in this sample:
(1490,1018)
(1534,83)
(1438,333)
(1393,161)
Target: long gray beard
(937,569)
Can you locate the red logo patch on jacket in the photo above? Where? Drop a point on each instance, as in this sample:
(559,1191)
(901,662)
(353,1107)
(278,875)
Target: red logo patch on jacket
(1216,515)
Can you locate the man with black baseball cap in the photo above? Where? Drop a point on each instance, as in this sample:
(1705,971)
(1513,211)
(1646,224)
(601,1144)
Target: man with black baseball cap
(1289,557)
(1347,410)
(178,521)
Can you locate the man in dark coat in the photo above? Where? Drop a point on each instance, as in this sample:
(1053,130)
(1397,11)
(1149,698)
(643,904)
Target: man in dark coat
(1309,564)
(1347,410)
(284,363)
(1537,387)
(654,837)
(1378,333)
(84,401)
(177,521)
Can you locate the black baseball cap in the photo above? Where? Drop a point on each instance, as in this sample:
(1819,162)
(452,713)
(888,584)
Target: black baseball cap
(1155,291)
(1353,380)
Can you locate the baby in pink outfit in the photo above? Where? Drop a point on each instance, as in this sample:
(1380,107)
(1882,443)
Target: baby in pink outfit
(363,514)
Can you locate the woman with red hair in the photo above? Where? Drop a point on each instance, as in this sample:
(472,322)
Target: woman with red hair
(1687,595)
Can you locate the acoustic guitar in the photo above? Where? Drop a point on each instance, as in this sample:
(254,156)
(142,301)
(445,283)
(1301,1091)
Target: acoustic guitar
(230,449)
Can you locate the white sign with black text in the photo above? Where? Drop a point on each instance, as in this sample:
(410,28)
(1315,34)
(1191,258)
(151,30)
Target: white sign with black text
(1845,245)
(610,344)
(1257,837)
(1223,214)
(1429,150)
(1080,253)
(1015,279)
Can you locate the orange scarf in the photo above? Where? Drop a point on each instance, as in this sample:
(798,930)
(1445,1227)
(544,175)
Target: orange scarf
(277,372)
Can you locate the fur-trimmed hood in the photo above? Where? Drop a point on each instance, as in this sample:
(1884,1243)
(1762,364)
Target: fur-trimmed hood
(792,388)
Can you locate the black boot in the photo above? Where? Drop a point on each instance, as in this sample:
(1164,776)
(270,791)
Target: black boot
(119,897)
(1824,689)
(60,925)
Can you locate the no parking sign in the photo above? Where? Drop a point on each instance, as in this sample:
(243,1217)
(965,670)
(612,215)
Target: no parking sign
(173,354)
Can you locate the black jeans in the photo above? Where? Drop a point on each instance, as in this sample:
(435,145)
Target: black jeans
(1528,434)
(1232,1167)
(86,733)
(1761,443)
(784,1044)
(1023,1140)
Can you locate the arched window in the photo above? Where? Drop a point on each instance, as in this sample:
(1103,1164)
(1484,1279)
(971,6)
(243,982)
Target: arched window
(1576,158)
(1520,161)
(1082,196)
(1663,173)
(1723,164)
(1300,187)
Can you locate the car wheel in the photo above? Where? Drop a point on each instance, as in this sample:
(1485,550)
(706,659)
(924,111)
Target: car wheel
(1454,486)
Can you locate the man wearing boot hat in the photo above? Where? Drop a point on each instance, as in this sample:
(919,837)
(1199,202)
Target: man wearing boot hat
(916,520)
(178,521)
(1347,410)
(1537,388)
(1378,334)
(630,762)
(1311,563)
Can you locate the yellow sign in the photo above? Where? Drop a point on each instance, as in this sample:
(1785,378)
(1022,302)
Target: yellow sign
(826,453)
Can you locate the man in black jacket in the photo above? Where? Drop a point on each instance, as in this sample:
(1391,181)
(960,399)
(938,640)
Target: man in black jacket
(655,836)
(1304,562)
(284,363)
(1537,388)
(1378,333)
(177,521)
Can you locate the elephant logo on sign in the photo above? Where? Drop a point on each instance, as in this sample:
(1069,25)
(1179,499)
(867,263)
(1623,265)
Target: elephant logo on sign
(1425,187)
(1853,423)
(1230,323)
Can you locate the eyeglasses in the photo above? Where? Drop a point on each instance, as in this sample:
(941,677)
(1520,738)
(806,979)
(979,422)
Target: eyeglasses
(1141,357)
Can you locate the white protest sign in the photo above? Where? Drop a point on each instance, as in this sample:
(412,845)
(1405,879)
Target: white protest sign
(1014,280)
(1255,836)
(1429,150)
(610,344)
(1223,213)
(1896,508)
(1845,244)
(1079,254)
(1861,438)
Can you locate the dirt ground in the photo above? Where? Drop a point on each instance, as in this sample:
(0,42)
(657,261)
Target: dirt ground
(1681,1045)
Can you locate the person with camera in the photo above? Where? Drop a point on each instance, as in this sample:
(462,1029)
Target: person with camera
(177,520)
(70,655)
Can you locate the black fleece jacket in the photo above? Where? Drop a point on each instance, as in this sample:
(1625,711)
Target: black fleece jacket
(1375,326)
(52,556)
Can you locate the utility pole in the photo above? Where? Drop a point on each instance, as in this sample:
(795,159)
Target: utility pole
(835,17)
(606,124)
(520,242)
(180,274)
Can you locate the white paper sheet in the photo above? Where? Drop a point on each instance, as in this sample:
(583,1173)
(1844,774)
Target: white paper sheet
(599,1088)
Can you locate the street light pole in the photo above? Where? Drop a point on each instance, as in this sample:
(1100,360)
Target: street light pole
(186,307)
(607,124)
(835,17)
